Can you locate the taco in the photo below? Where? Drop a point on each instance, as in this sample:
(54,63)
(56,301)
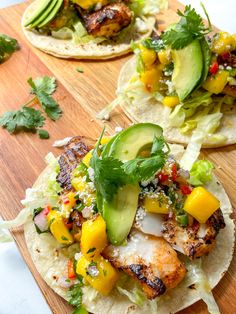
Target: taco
(184,81)
(89,29)
(122,228)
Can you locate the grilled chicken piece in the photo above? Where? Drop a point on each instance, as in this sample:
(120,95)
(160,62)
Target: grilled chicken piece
(108,21)
(196,240)
(149,260)
(74,152)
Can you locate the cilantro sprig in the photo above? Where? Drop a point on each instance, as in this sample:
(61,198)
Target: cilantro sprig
(30,119)
(190,27)
(111,173)
(8,45)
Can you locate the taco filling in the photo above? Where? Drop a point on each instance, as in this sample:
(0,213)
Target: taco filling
(128,214)
(82,22)
(185,79)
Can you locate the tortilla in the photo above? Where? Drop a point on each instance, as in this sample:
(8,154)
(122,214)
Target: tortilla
(68,49)
(51,262)
(152,111)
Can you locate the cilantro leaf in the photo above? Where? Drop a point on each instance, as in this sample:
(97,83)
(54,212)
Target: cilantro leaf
(44,84)
(43,134)
(153,44)
(43,88)
(75,294)
(80,70)
(25,118)
(189,28)
(8,45)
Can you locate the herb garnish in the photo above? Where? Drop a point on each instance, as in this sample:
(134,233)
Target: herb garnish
(75,294)
(155,44)
(30,119)
(91,250)
(8,45)
(111,173)
(190,27)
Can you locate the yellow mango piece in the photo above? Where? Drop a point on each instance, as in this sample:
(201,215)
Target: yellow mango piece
(216,83)
(105,140)
(86,4)
(105,276)
(223,42)
(87,157)
(148,56)
(79,184)
(58,228)
(68,203)
(151,78)
(94,237)
(155,205)
(164,56)
(170,101)
(201,204)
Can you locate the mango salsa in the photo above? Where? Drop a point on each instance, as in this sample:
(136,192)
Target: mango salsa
(99,273)
(148,56)
(201,204)
(155,205)
(170,101)
(216,83)
(94,237)
(68,203)
(58,228)
(151,78)
(223,42)
(164,56)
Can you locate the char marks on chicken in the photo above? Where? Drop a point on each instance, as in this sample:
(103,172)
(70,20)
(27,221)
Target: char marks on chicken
(74,152)
(149,260)
(108,21)
(195,240)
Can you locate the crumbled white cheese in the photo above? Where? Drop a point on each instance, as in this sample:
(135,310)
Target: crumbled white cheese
(118,129)
(98,6)
(87,212)
(91,173)
(78,256)
(221,67)
(93,271)
(171,87)
(228,68)
(141,213)
(141,26)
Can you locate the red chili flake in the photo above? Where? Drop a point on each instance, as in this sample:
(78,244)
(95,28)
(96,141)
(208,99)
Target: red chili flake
(66,201)
(174,172)
(185,189)
(162,177)
(214,68)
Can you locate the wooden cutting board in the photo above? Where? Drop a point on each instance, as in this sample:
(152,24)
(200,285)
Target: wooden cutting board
(80,96)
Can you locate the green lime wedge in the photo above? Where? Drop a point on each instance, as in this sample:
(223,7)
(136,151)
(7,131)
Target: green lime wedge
(52,14)
(42,6)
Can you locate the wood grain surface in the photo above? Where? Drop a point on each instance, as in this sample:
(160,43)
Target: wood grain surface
(81,96)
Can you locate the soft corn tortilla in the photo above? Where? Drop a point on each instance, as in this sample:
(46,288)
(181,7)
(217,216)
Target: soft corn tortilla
(51,262)
(155,112)
(68,49)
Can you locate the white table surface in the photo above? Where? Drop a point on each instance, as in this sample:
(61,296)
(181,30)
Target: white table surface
(18,290)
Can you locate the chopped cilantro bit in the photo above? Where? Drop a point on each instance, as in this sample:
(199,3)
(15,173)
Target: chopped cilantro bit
(104,272)
(91,250)
(93,264)
(64,238)
(8,45)
(43,134)
(80,70)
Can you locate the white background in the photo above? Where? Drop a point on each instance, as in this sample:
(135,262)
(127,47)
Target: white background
(18,291)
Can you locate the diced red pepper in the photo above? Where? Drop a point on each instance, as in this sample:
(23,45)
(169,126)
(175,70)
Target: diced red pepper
(174,172)
(66,200)
(214,68)
(185,189)
(162,177)
(46,210)
(70,269)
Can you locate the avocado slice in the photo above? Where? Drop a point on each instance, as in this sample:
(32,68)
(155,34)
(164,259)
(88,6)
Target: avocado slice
(52,15)
(44,14)
(43,4)
(206,53)
(131,141)
(188,68)
(119,214)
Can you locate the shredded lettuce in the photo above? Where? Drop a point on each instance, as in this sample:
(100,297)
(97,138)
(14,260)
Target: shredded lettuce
(146,7)
(201,172)
(46,192)
(63,33)
(203,286)
(136,295)
(81,36)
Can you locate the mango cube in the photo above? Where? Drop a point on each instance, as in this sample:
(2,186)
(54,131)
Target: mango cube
(87,157)
(69,202)
(156,205)
(151,78)
(164,56)
(216,83)
(86,4)
(99,273)
(58,228)
(170,101)
(149,56)
(201,204)
(94,237)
